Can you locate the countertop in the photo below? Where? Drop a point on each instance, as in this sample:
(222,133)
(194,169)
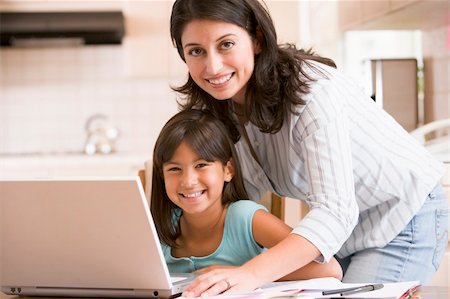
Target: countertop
(72,164)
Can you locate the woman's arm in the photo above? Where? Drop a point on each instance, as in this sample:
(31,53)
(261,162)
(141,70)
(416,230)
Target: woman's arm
(268,231)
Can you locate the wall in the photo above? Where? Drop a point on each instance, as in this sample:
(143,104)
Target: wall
(47,95)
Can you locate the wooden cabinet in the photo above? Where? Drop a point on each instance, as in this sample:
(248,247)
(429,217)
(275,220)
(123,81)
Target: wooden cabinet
(383,14)
(350,14)
(374,9)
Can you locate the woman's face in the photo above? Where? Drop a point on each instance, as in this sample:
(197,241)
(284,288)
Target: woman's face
(220,57)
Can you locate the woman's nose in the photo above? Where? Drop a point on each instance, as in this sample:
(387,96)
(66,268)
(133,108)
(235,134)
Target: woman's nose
(213,63)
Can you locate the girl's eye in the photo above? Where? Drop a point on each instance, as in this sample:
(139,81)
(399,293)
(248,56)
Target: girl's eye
(172,169)
(201,165)
(195,52)
(227,45)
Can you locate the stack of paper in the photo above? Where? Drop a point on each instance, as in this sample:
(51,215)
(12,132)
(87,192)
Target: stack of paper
(313,288)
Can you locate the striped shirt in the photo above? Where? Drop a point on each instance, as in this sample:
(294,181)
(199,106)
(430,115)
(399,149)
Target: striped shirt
(362,175)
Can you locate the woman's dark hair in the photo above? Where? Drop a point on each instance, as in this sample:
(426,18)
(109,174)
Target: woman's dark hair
(279,80)
(210,140)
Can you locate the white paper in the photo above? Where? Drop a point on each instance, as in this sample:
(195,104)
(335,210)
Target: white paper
(312,288)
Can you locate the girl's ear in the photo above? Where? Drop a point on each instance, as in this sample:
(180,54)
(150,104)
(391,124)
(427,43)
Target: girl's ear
(258,42)
(229,171)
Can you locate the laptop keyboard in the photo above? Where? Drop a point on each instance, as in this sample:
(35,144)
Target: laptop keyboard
(176,278)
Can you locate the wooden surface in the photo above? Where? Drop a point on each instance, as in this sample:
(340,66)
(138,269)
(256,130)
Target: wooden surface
(432,293)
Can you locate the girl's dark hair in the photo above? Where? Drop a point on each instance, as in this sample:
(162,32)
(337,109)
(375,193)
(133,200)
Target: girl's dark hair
(209,138)
(279,80)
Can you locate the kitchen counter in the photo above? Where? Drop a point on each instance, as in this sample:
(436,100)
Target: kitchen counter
(71,164)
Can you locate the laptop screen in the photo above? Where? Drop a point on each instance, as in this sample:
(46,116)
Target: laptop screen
(79,233)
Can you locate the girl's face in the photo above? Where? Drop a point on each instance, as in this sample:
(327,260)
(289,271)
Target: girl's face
(220,57)
(193,184)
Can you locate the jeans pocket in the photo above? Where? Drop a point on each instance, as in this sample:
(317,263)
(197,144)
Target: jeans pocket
(442,226)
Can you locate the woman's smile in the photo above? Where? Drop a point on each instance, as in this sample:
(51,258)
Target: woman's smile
(220,57)
(220,81)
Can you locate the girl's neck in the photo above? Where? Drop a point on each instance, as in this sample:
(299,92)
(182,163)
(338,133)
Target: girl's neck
(201,235)
(193,225)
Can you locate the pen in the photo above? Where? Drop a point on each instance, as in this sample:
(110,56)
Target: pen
(363,289)
(340,291)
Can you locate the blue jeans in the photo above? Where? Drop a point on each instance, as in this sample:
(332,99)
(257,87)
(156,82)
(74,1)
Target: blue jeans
(414,254)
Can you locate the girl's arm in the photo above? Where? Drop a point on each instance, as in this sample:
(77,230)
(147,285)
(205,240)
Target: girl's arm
(288,256)
(268,231)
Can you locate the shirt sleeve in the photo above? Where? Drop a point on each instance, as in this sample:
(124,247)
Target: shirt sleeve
(321,134)
(239,228)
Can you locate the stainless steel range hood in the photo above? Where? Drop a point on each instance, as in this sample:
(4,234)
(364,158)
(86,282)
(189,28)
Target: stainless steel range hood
(56,28)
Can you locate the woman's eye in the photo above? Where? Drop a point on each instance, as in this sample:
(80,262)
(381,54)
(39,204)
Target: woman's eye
(227,45)
(195,52)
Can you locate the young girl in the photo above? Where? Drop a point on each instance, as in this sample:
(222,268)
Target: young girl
(198,202)
(304,130)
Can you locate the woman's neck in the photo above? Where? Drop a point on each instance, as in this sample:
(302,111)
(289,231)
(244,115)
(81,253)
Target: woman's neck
(239,111)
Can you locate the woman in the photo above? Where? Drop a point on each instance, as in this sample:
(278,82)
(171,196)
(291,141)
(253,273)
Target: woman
(303,130)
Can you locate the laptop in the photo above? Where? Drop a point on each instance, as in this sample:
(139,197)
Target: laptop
(81,237)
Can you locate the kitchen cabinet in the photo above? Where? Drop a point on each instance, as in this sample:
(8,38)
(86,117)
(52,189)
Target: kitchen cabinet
(354,13)
(391,14)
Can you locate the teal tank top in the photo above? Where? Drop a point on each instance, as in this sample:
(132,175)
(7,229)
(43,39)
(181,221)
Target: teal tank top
(237,245)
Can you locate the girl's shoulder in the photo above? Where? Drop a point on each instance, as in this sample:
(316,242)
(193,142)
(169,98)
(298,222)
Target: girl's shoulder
(239,218)
(244,208)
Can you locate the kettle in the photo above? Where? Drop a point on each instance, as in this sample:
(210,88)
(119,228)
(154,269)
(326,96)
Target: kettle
(101,135)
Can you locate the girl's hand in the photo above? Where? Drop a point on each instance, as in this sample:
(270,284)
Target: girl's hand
(221,279)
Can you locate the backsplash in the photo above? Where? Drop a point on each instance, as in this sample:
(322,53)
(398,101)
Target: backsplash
(48,94)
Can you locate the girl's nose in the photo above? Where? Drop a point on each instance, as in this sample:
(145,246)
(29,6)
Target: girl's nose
(213,63)
(189,178)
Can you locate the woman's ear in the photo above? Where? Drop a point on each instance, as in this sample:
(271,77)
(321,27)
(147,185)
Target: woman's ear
(258,41)
(229,171)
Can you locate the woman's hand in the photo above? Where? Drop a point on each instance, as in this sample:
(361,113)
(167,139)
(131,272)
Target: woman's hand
(221,279)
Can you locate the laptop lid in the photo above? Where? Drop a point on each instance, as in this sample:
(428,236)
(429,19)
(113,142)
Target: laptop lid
(84,236)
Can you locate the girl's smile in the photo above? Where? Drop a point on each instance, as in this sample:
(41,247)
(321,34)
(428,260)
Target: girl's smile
(194,184)
(220,57)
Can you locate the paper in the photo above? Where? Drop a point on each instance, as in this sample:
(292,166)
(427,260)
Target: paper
(312,288)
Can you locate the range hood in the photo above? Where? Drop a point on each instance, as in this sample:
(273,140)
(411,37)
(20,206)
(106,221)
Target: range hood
(53,28)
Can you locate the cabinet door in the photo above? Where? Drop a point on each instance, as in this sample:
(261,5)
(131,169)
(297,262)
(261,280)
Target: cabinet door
(396,4)
(373,9)
(349,14)
(395,86)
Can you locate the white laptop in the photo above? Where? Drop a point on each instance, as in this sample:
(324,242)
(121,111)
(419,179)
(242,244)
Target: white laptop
(81,237)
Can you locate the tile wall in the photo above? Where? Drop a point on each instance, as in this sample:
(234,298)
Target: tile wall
(47,95)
